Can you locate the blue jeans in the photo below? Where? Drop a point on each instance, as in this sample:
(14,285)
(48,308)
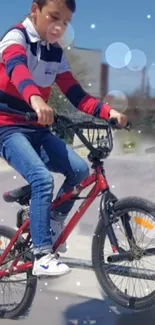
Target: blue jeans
(32,156)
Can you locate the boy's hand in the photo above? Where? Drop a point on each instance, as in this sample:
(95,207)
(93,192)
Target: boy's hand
(121,118)
(43,110)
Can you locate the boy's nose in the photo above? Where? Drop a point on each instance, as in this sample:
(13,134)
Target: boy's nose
(58,28)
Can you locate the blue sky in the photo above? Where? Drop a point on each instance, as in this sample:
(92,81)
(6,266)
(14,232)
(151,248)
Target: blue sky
(115,21)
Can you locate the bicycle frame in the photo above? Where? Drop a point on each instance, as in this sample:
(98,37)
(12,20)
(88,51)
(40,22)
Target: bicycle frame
(100,185)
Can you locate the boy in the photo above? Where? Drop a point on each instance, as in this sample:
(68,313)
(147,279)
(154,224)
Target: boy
(30,61)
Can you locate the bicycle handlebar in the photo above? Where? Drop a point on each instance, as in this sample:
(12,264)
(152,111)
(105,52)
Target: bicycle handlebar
(113,123)
(61,123)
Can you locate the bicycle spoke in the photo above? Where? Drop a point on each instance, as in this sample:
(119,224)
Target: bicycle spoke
(134,287)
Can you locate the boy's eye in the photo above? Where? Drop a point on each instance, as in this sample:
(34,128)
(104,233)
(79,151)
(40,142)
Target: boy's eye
(53,17)
(57,18)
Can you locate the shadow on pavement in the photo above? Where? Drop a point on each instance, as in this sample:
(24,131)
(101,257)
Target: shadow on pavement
(94,312)
(98,312)
(142,318)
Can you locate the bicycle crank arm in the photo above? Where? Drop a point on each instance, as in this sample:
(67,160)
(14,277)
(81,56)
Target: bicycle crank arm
(130,256)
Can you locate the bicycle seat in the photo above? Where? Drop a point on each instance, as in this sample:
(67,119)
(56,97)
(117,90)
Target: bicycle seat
(20,195)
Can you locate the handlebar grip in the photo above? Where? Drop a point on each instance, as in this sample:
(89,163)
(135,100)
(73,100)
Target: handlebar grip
(31,116)
(115,125)
(128,126)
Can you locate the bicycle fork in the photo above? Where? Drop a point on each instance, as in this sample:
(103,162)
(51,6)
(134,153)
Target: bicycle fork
(109,218)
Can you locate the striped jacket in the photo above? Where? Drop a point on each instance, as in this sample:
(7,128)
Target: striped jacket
(29,66)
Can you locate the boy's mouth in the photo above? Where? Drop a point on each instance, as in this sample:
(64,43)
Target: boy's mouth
(54,35)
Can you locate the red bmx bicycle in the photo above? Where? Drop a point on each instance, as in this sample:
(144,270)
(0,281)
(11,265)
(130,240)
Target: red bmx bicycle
(120,257)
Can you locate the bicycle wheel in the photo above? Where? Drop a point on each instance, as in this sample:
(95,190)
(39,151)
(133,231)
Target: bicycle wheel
(12,307)
(120,280)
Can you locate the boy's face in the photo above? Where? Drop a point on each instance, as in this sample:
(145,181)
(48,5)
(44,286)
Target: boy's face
(51,21)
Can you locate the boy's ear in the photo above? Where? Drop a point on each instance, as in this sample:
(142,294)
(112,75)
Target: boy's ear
(34,8)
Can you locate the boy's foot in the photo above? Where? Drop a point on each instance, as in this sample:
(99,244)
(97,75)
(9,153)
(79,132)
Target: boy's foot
(48,265)
(56,229)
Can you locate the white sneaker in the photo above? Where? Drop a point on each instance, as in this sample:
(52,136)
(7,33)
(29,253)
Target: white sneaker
(48,265)
(56,229)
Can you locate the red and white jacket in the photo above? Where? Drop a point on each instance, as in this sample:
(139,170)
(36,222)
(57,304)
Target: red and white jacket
(29,66)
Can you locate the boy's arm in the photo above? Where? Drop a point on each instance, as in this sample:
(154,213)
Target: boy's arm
(77,96)
(13,56)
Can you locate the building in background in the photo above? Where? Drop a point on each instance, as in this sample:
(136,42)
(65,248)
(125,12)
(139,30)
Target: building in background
(104,79)
(89,70)
(93,75)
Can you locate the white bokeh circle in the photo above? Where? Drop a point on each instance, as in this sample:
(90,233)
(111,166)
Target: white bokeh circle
(92,26)
(151,75)
(116,55)
(68,38)
(135,60)
(117,100)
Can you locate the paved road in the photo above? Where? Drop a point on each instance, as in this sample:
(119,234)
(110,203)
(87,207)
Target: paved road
(51,307)
(77,299)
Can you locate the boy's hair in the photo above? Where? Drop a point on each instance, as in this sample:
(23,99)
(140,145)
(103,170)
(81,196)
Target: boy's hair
(71,4)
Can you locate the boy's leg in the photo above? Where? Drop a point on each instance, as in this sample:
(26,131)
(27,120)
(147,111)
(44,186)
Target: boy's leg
(60,158)
(20,154)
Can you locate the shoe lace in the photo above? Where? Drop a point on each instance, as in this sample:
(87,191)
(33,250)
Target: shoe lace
(51,257)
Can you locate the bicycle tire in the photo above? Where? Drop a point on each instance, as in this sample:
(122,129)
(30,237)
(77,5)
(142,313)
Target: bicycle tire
(24,306)
(97,262)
